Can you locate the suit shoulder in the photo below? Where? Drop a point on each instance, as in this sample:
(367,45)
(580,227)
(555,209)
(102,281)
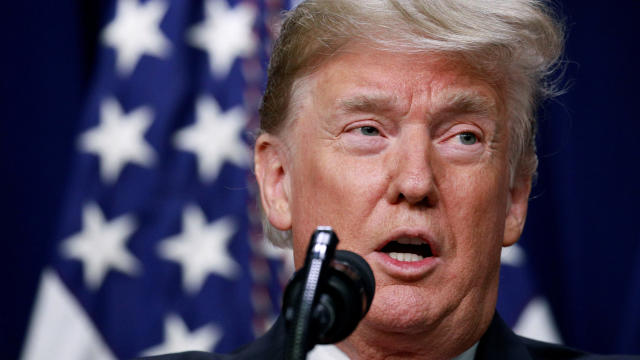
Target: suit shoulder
(543,350)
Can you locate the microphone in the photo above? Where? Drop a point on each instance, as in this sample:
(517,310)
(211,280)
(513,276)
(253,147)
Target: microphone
(327,297)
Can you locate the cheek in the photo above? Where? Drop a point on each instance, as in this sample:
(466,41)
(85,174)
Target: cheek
(330,189)
(474,209)
(475,206)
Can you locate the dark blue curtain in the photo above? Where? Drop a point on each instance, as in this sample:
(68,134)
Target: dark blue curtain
(581,236)
(47,50)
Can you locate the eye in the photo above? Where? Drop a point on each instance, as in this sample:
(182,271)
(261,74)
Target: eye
(468,138)
(369,131)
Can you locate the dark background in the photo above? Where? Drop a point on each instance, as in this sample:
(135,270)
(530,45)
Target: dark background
(582,235)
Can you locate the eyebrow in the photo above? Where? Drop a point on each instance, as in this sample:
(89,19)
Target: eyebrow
(371,103)
(468,102)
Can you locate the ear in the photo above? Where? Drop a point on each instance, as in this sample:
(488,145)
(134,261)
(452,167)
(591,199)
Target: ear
(516,210)
(271,172)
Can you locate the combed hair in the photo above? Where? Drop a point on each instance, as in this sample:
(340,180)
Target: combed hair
(514,44)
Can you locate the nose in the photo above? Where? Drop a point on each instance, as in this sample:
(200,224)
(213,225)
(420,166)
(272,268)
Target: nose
(411,176)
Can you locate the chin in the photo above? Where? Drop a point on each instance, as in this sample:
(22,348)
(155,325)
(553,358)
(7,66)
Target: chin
(403,309)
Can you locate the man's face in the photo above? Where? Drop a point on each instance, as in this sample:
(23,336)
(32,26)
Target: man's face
(405,156)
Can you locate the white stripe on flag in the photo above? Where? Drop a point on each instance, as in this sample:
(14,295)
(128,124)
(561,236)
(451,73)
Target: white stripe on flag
(59,328)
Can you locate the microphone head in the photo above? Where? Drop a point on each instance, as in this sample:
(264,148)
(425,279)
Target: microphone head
(344,295)
(347,296)
(363,274)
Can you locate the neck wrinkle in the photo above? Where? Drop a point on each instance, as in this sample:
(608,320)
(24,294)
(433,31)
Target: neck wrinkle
(364,344)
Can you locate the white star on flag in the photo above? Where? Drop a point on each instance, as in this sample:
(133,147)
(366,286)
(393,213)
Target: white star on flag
(119,139)
(225,34)
(135,31)
(178,338)
(100,245)
(201,249)
(215,137)
(512,256)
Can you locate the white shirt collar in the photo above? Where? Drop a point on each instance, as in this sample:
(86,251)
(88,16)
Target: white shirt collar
(332,352)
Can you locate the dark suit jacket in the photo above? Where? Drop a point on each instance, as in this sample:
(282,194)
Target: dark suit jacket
(498,343)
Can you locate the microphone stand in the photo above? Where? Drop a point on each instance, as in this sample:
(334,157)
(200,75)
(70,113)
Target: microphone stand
(321,250)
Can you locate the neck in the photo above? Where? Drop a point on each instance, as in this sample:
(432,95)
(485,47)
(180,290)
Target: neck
(439,343)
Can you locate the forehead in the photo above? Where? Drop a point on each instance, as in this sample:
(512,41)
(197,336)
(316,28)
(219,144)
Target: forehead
(361,78)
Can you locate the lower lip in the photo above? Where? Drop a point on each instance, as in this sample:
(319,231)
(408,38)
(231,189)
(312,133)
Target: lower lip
(405,270)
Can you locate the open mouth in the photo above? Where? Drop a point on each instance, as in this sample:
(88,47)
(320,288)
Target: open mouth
(407,249)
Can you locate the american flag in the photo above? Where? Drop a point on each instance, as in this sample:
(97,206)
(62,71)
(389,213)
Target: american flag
(159,248)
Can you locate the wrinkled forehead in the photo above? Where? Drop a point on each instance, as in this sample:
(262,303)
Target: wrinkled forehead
(449,80)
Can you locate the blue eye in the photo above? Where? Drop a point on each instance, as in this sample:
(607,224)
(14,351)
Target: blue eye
(468,138)
(369,131)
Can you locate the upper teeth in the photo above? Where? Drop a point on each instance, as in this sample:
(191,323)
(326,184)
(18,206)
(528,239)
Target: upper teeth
(410,241)
(405,256)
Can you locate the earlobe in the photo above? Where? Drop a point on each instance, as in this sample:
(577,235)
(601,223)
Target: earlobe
(271,172)
(516,210)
